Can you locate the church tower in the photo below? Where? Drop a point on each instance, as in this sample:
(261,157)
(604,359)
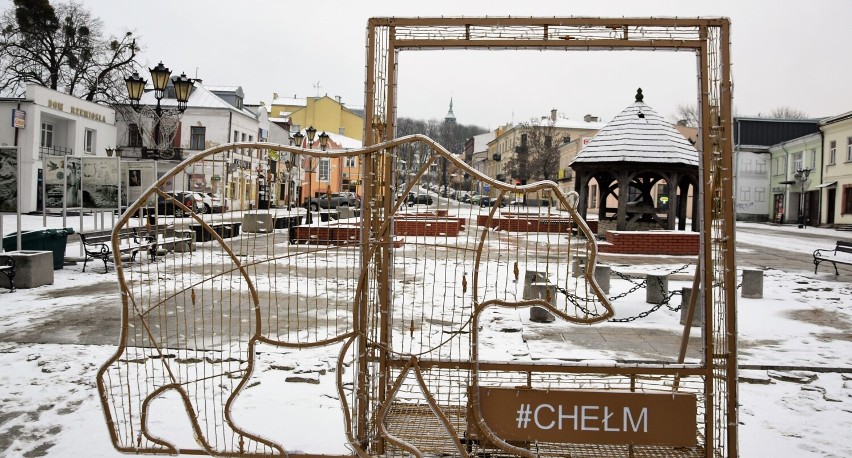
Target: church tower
(450,117)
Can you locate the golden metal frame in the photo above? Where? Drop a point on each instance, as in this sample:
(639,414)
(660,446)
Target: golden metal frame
(709,39)
(145,366)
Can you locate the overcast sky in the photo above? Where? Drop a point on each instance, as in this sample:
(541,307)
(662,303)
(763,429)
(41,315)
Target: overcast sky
(784,52)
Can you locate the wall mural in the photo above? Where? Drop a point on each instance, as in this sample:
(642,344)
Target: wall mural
(8,179)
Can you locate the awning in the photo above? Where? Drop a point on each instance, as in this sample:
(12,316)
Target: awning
(832,184)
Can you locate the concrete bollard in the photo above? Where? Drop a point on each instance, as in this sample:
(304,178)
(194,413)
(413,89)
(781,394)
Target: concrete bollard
(698,317)
(752,284)
(578,265)
(32,268)
(656,288)
(530,277)
(540,291)
(602,276)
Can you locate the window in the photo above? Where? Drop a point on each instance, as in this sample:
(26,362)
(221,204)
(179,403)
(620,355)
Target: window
(341,131)
(812,161)
(324,169)
(46,134)
(761,166)
(747,167)
(797,162)
(89,141)
(848,149)
(760,194)
(847,199)
(236,137)
(745,194)
(832,152)
(197,137)
(351,162)
(134,135)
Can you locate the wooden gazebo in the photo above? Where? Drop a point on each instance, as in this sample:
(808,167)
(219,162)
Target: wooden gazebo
(631,155)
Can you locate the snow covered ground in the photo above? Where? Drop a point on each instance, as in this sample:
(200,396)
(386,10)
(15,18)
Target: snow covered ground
(800,407)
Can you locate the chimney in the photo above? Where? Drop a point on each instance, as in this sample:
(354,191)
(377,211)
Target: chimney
(681,122)
(338,98)
(590,118)
(553,115)
(274,95)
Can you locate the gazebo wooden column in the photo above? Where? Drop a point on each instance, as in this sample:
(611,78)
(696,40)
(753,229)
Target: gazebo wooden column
(675,204)
(623,195)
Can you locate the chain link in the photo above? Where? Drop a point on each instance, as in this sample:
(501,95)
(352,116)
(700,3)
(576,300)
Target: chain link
(574,299)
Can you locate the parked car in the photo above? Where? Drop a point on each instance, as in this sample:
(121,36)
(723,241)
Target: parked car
(420,199)
(215,203)
(333,200)
(491,201)
(192,200)
(203,202)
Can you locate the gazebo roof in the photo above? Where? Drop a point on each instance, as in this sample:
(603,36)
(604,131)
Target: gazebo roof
(638,134)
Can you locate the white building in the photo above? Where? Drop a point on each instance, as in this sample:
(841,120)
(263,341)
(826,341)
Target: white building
(215,115)
(50,124)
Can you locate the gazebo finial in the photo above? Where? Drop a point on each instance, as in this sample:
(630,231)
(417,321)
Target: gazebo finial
(639,95)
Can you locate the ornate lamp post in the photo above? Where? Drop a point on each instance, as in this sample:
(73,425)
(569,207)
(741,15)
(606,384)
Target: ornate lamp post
(801,177)
(160,79)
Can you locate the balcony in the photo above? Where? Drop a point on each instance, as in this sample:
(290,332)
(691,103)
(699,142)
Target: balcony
(54,151)
(169,154)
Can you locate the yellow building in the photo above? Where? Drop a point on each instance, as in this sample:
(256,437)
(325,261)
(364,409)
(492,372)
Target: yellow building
(324,113)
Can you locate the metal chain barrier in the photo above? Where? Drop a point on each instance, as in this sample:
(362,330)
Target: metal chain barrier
(574,299)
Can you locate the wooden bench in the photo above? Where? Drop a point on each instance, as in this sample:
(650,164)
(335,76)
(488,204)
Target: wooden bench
(841,254)
(97,246)
(135,240)
(7,267)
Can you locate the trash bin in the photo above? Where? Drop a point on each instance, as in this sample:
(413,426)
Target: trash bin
(53,240)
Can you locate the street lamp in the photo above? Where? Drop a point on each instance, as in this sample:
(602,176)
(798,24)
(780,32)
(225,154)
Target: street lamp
(160,79)
(323,138)
(298,138)
(801,176)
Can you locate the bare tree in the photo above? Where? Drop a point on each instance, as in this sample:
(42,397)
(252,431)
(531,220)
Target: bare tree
(786,112)
(537,157)
(687,114)
(62,48)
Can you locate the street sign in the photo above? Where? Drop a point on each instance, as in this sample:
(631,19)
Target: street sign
(19,119)
(591,417)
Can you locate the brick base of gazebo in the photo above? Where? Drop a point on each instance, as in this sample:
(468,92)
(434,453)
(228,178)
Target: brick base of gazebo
(677,243)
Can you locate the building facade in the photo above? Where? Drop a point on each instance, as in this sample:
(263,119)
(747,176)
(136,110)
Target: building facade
(509,138)
(214,116)
(794,199)
(323,113)
(51,125)
(835,187)
(752,180)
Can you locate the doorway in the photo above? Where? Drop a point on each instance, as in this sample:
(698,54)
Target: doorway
(829,206)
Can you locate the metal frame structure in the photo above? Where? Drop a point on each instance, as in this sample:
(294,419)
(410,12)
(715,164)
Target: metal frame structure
(709,40)
(407,316)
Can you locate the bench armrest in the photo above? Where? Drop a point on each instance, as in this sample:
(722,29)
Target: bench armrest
(97,248)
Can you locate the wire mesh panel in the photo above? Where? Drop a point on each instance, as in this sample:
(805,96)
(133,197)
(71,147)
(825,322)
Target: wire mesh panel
(425,298)
(482,286)
(202,290)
